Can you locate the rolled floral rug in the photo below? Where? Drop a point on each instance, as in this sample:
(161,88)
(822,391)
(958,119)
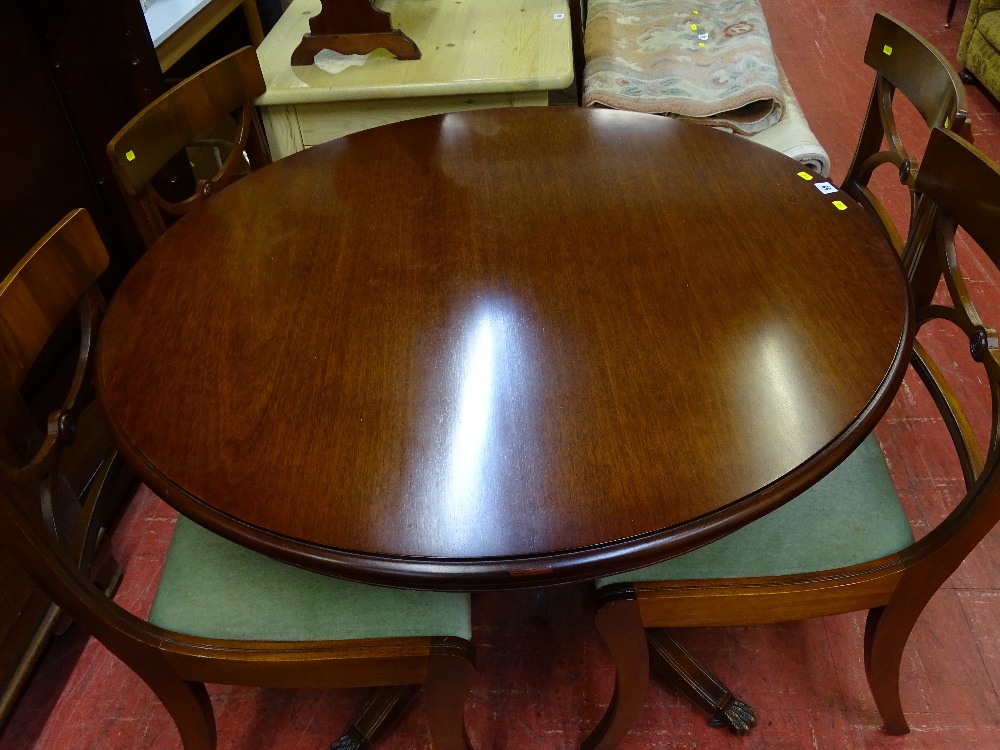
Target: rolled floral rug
(705,60)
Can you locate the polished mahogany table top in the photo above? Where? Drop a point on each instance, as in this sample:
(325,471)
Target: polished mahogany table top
(503,348)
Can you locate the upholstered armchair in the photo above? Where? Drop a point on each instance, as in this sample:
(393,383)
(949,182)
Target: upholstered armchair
(979,50)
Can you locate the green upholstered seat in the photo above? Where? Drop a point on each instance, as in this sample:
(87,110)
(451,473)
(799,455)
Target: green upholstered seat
(851,516)
(214,588)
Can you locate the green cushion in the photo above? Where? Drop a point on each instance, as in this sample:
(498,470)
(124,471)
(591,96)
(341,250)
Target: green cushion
(214,588)
(989,27)
(851,516)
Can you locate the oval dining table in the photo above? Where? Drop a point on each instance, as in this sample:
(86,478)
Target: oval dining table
(504,348)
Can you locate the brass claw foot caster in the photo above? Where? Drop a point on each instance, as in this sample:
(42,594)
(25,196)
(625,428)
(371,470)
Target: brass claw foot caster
(736,716)
(675,664)
(348,742)
(384,706)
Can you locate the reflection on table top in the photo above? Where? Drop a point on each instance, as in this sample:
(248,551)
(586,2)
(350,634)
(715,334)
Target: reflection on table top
(504,347)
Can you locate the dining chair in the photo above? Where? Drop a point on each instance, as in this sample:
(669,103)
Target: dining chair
(222,613)
(174,121)
(906,62)
(845,544)
(52,444)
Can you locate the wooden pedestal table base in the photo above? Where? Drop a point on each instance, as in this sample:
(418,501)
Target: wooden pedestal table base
(384,707)
(353,27)
(669,659)
(673,663)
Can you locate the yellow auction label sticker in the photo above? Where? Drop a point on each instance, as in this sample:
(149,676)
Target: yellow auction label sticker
(694,27)
(805,175)
(841,206)
(887,49)
(130,155)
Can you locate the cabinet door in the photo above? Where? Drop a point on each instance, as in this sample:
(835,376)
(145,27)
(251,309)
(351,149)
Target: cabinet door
(104,69)
(42,174)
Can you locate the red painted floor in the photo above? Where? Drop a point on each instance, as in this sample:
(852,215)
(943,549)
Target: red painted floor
(543,676)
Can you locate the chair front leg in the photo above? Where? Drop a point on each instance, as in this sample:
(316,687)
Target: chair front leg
(620,625)
(450,672)
(188,705)
(885,639)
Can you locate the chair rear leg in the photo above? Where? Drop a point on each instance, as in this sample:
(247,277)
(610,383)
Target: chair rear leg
(886,633)
(450,672)
(620,625)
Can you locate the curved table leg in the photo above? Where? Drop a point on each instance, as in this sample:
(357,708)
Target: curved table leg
(672,662)
(382,709)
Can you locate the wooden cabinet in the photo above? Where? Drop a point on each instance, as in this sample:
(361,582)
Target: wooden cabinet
(43,168)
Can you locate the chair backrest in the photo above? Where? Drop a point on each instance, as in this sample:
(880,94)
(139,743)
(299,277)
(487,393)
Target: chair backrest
(961,187)
(57,274)
(903,61)
(164,128)
(55,545)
